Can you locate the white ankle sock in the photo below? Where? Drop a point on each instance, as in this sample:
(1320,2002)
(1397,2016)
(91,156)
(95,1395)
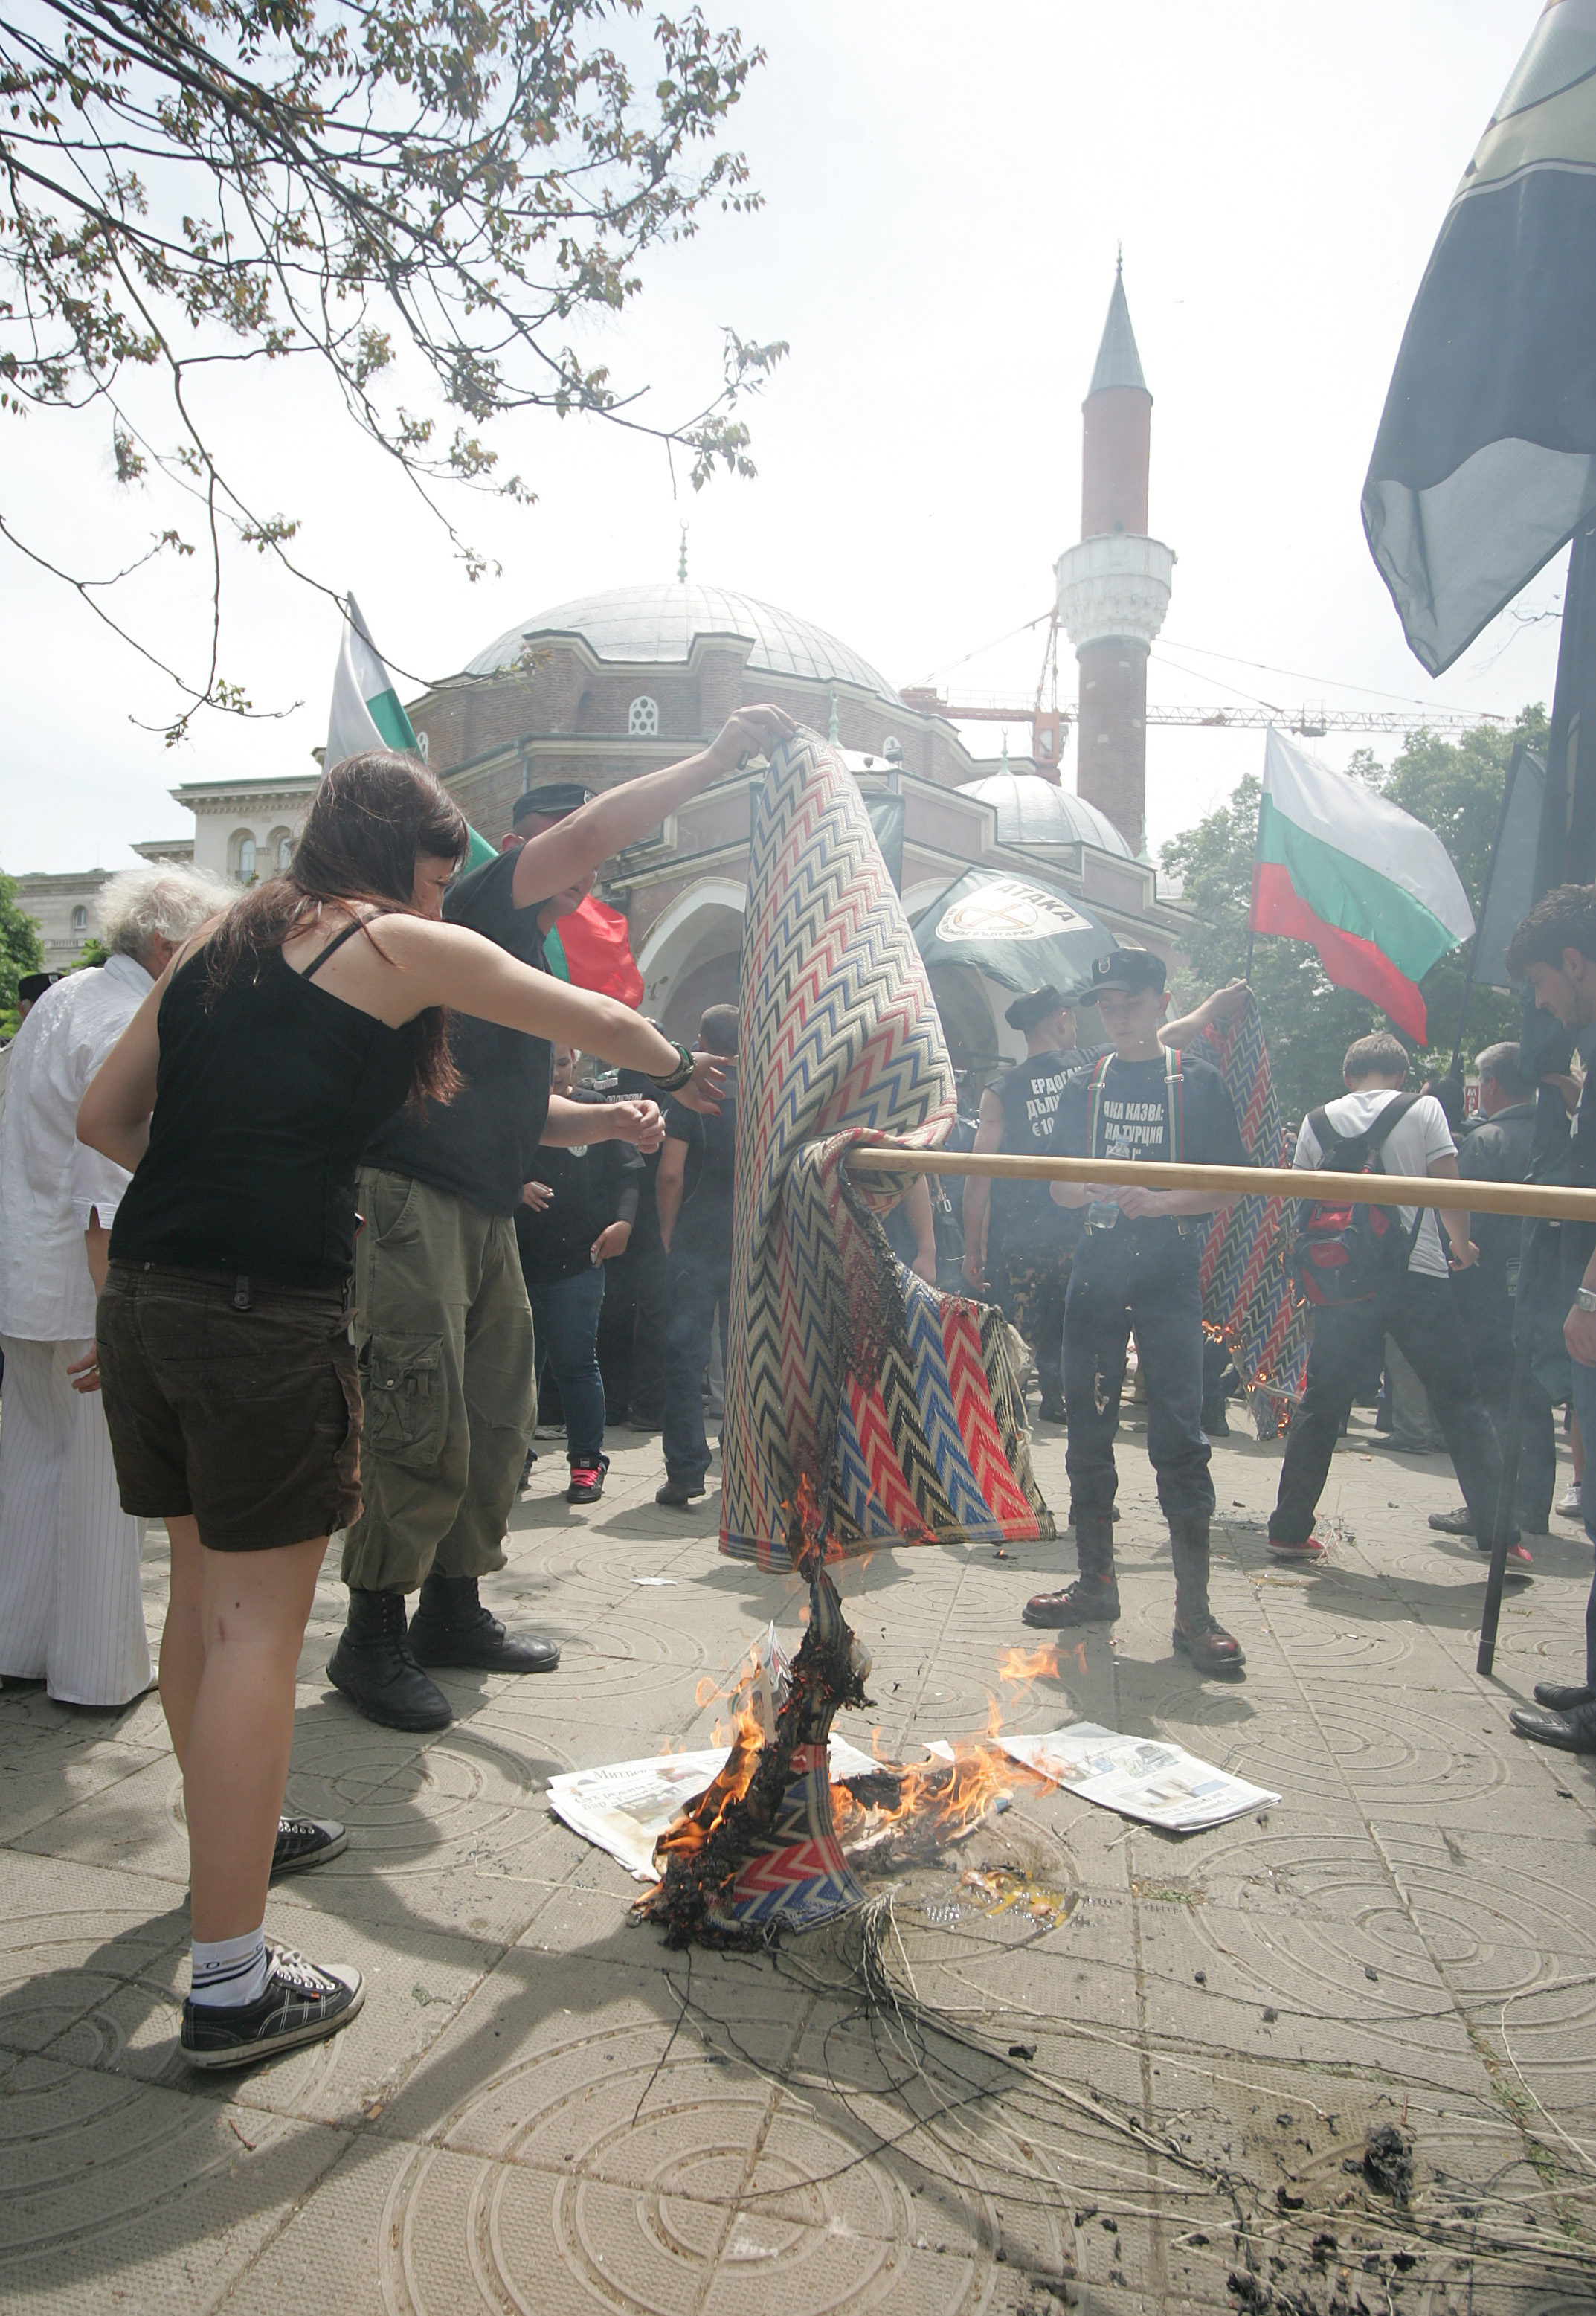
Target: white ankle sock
(229,1972)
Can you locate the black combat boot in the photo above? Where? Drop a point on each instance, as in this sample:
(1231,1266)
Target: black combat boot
(450,1627)
(1094,1599)
(1197,1634)
(375,1666)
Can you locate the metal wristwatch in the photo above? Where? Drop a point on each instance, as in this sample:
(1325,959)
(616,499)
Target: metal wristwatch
(1585,1298)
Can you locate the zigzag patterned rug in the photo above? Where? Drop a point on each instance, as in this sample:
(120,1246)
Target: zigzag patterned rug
(862,1408)
(1248,1297)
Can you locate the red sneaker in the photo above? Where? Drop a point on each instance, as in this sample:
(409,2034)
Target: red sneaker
(587,1479)
(1310,1548)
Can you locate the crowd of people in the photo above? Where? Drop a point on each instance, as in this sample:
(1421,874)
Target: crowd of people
(302,1197)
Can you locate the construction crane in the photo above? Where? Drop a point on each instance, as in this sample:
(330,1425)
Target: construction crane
(1308,723)
(1049,723)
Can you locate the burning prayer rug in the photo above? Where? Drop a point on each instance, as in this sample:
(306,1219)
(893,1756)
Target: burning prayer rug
(862,1407)
(1248,1298)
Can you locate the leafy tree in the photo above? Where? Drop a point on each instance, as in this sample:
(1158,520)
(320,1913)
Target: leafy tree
(1454,787)
(435,186)
(19,952)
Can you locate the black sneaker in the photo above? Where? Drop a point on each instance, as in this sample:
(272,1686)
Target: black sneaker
(303,1841)
(301,2005)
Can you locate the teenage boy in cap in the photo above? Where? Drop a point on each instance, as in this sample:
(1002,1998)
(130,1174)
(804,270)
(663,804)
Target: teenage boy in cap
(1136,1265)
(1014,1236)
(1554,950)
(1016,1239)
(442,1325)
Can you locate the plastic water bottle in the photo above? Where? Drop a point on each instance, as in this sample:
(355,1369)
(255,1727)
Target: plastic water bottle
(1103,1214)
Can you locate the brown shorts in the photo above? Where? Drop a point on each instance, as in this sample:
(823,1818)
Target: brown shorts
(233,1400)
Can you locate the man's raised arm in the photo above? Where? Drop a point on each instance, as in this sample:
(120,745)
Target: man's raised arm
(562,856)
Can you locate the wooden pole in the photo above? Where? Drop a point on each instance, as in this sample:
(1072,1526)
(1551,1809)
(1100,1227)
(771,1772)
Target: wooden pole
(1228,1182)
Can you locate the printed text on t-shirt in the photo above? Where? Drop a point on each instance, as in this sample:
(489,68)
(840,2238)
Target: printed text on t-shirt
(1140,1125)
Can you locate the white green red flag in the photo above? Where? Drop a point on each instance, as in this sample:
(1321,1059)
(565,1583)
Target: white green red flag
(1371,887)
(368,713)
(591,949)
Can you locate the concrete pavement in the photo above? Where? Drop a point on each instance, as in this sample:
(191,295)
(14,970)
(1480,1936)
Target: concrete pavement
(542,2109)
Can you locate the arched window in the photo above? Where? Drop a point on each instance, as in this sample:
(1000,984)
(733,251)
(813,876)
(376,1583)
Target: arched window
(424,744)
(642,723)
(80,922)
(280,848)
(247,859)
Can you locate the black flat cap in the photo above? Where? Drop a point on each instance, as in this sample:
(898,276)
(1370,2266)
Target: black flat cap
(31,986)
(1035,1006)
(1128,969)
(551,802)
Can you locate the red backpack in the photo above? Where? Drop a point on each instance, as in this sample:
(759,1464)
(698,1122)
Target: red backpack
(1350,1253)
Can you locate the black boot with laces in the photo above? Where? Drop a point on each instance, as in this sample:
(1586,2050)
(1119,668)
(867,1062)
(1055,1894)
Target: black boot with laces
(376,1668)
(450,1627)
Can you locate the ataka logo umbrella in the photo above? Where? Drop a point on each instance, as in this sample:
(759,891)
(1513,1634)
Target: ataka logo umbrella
(1007,910)
(1015,931)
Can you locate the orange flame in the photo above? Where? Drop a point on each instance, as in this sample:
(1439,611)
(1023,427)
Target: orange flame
(1028,1664)
(947,1799)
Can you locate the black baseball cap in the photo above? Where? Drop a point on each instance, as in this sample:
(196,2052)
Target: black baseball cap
(550,802)
(1129,969)
(1035,1006)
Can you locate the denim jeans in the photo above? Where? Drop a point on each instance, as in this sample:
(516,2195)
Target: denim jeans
(565,1325)
(694,1289)
(1582,1385)
(1147,1279)
(632,1335)
(1423,1319)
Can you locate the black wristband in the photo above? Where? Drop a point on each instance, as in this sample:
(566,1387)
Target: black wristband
(679,1076)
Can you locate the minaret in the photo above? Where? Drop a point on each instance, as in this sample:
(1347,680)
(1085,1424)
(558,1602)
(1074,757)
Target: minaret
(1114,588)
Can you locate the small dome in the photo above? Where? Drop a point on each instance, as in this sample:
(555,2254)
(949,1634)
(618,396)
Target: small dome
(1031,810)
(656,625)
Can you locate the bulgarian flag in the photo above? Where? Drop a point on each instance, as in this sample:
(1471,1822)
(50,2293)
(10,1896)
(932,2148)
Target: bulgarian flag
(590,949)
(367,712)
(1371,887)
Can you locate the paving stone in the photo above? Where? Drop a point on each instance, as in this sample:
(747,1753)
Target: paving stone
(542,2108)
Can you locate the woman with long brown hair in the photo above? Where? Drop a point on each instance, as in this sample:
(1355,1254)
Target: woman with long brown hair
(243,1094)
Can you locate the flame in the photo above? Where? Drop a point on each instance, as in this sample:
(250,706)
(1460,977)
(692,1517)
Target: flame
(1028,1664)
(689,1833)
(945,1799)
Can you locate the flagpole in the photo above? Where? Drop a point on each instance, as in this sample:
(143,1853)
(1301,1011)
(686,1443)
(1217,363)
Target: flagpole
(1473,948)
(1227,1182)
(1247,968)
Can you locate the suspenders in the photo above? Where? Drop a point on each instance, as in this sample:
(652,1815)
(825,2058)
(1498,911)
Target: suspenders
(1174,1105)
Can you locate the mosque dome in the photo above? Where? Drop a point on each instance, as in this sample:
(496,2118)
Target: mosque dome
(656,625)
(1031,810)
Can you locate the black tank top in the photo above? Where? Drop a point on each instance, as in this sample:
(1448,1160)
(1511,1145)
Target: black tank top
(265,1100)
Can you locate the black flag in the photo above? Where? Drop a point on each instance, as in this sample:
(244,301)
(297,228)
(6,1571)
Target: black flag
(1485,459)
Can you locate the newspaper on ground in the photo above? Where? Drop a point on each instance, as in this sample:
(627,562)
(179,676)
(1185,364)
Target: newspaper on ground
(626,1807)
(1141,1777)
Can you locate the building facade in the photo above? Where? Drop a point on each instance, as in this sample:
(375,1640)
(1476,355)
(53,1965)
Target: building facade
(607,686)
(612,685)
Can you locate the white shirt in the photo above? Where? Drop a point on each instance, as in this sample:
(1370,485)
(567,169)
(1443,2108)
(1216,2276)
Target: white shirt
(50,1180)
(1413,1143)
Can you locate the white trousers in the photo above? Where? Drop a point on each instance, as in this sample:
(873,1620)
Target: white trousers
(71,1611)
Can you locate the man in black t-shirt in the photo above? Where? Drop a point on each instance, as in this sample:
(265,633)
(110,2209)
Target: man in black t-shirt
(693,1189)
(1136,1265)
(442,1326)
(1554,950)
(1014,1237)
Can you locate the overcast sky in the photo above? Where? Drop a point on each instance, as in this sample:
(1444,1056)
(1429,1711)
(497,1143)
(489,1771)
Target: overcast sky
(945,188)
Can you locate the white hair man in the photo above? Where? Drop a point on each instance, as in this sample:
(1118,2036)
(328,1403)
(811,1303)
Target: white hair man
(71,1613)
